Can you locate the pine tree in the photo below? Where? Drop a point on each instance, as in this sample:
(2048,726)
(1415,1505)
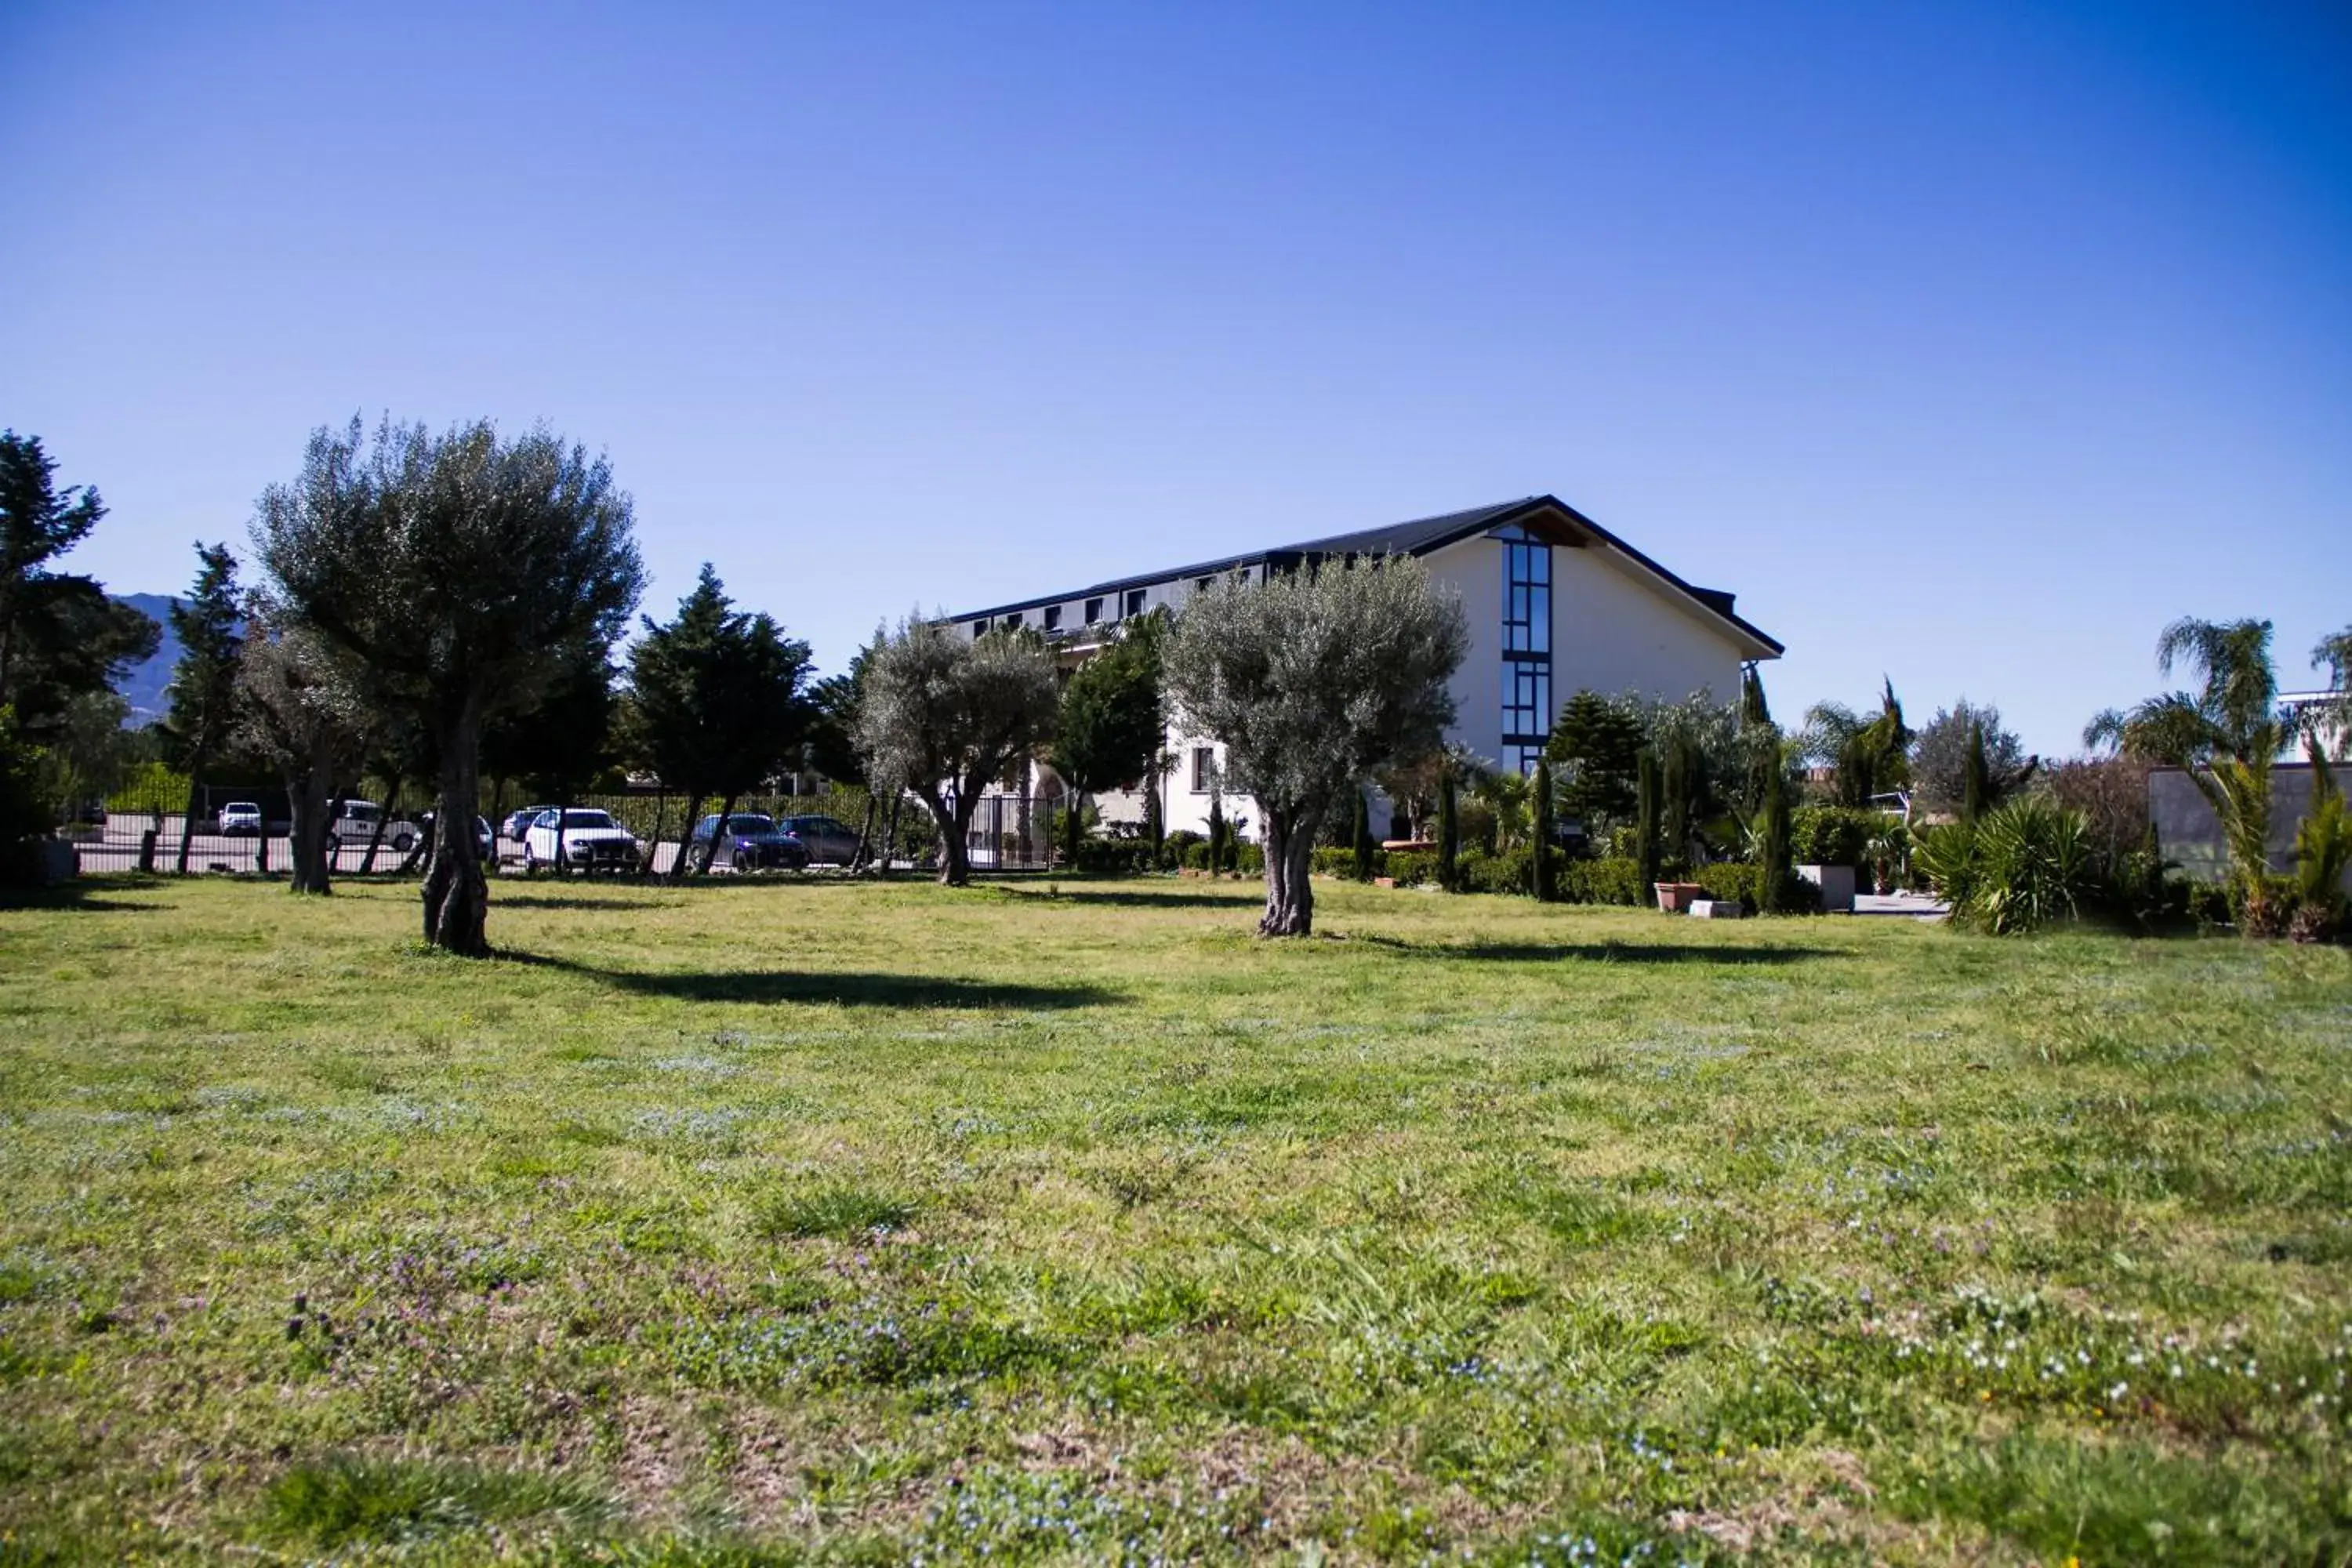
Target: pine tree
(719,703)
(210,625)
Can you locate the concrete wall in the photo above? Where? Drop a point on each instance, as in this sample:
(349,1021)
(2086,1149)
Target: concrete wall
(2186,830)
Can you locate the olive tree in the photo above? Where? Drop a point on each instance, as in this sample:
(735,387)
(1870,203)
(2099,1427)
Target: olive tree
(297,711)
(455,571)
(946,717)
(1311,681)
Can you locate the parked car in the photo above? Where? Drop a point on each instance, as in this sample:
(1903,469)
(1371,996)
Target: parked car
(592,841)
(355,829)
(828,842)
(752,842)
(484,842)
(240,819)
(518,823)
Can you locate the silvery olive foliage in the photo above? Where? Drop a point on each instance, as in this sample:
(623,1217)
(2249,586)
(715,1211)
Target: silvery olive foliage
(297,711)
(946,715)
(1311,681)
(456,573)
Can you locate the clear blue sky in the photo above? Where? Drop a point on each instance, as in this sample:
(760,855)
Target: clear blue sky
(1967,343)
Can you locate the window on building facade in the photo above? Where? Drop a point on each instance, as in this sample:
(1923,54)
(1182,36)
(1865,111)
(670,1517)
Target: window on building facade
(1135,601)
(1012,620)
(1527,647)
(979,629)
(1053,617)
(1204,768)
(1094,611)
(1202,584)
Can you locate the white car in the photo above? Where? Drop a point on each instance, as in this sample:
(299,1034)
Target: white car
(355,829)
(592,841)
(240,819)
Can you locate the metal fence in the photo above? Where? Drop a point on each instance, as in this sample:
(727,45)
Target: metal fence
(1012,833)
(141,831)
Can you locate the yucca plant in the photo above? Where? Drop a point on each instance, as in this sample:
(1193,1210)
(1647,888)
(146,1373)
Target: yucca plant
(2032,867)
(1945,856)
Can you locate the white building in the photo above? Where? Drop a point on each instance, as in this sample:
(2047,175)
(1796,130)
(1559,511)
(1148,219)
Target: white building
(1555,604)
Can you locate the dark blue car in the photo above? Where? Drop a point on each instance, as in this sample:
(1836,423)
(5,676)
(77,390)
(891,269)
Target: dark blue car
(752,842)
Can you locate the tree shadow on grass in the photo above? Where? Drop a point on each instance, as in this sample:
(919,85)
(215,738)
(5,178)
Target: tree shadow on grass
(1240,897)
(503,901)
(83,893)
(1626,952)
(847,988)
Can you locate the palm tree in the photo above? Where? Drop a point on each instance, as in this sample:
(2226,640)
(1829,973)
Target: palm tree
(2225,735)
(1869,755)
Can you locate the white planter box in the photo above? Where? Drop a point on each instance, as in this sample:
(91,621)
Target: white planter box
(1836,885)
(1718,909)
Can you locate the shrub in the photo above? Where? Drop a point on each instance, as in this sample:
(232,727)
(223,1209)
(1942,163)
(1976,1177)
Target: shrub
(1487,871)
(1743,880)
(1731,879)
(1615,880)
(1333,861)
(1832,835)
(1115,856)
(1246,859)
(1176,849)
(2023,866)
(1411,868)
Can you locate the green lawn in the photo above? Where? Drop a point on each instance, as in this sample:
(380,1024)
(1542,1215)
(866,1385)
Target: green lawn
(860,1223)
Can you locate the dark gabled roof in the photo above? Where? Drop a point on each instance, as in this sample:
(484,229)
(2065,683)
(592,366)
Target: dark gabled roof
(1419,536)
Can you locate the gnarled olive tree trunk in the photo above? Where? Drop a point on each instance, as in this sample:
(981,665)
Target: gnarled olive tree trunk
(188,822)
(679,866)
(955,834)
(1289,861)
(306,842)
(456,894)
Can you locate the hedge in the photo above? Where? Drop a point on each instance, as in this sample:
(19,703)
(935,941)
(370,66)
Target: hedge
(1832,835)
(1340,861)
(1115,856)
(1615,880)
(1412,868)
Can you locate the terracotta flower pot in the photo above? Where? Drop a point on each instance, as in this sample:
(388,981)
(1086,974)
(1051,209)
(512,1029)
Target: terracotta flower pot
(1676,897)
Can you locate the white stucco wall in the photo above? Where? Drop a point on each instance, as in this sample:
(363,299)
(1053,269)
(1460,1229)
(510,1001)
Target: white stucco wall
(1614,630)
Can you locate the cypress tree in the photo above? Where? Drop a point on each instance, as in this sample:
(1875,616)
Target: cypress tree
(1448,828)
(1543,832)
(1679,779)
(1772,845)
(1976,778)
(1364,846)
(1216,835)
(1646,819)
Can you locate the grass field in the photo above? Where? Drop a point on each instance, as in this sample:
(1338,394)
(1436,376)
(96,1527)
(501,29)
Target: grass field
(854,1223)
